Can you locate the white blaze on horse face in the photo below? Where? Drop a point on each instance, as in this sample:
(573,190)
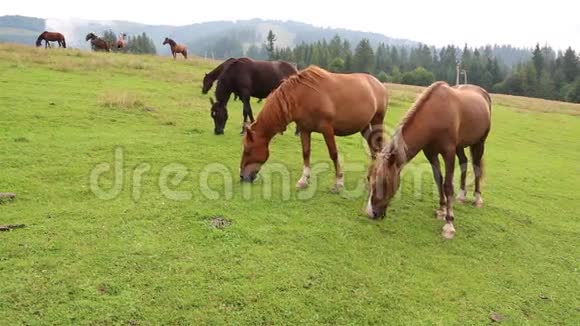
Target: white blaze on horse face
(369,209)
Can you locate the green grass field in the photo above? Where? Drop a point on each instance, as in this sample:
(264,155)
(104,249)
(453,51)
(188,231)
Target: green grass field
(150,255)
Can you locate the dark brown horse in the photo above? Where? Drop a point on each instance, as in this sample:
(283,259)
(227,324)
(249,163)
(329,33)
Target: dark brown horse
(318,101)
(245,78)
(97,43)
(51,37)
(444,120)
(176,48)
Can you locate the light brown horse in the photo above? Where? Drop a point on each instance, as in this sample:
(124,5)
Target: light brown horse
(121,41)
(318,101)
(176,48)
(444,120)
(51,37)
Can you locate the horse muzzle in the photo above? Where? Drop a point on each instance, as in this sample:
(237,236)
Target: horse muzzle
(375,213)
(248,177)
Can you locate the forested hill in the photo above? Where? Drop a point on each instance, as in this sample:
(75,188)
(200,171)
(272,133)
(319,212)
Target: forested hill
(219,39)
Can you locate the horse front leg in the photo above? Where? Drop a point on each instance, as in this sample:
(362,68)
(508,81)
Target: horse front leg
(328,133)
(448,231)
(438,177)
(305,140)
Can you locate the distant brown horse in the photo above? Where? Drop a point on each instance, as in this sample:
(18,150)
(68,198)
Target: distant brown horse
(246,78)
(318,101)
(51,37)
(97,43)
(121,41)
(444,120)
(176,48)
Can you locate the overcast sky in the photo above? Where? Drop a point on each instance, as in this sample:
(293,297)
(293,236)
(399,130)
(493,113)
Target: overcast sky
(440,22)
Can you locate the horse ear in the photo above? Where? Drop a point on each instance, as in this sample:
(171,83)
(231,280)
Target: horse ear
(211,101)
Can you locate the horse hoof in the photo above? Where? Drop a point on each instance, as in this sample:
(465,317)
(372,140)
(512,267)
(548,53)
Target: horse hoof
(440,214)
(448,231)
(337,188)
(479,204)
(461,197)
(302,184)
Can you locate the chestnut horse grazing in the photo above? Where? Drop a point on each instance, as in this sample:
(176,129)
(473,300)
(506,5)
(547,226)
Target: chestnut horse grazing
(97,43)
(51,37)
(318,101)
(176,48)
(246,78)
(444,120)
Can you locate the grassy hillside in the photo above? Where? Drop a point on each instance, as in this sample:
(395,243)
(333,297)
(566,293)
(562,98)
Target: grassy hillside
(149,255)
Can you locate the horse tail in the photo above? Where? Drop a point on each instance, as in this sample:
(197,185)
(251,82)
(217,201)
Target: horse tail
(63,42)
(185,53)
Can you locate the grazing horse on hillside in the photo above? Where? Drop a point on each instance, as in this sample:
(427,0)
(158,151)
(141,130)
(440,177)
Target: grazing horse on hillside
(121,41)
(211,77)
(323,102)
(245,78)
(176,48)
(51,37)
(444,120)
(97,43)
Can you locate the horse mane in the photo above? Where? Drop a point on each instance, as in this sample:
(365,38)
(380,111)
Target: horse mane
(221,67)
(284,97)
(397,145)
(309,77)
(171,42)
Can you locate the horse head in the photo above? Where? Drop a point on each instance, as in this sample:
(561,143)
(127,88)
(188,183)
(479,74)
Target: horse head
(384,178)
(255,154)
(219,114)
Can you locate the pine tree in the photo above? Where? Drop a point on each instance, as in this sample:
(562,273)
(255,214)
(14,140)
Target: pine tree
(270,45)
(364,57)
(570,65)
(538,60)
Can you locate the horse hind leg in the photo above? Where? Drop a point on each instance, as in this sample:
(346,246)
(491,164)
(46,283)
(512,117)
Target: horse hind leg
(329,138)
(477,151)
(247,110)
(463,167)
(448,231)
(374,134)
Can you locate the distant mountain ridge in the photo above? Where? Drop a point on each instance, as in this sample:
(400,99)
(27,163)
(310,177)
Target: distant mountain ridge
(200,37)
(217,39)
